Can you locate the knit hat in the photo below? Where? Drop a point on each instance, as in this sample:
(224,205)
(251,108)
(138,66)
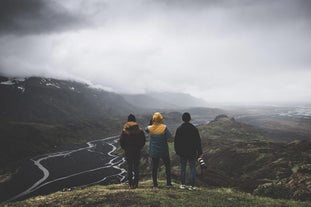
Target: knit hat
(186,117)
(131,117)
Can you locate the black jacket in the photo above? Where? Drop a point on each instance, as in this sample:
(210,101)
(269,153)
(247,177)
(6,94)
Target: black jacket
(132,140)
(187,141)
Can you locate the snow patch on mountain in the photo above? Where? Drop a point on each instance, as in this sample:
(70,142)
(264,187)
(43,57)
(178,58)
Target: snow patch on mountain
(21,88)
(100,87)
(53,85)
(9,82)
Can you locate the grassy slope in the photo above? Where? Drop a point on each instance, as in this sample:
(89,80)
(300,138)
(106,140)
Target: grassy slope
(244,157)
(119,195)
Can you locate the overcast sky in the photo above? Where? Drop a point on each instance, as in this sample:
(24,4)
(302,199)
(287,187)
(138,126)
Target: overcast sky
(244,51)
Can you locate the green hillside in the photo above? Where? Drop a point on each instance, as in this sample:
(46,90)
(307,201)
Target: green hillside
(244,157)
(238,156)
(118,195)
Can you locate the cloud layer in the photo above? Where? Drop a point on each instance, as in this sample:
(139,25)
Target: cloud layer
(223,51)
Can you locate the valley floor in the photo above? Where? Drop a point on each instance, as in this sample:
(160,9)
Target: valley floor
(119,195)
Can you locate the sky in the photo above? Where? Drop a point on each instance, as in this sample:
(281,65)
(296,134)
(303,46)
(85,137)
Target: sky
(225,51)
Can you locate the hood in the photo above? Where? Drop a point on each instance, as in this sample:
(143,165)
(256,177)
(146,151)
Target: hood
(157,126)
(131,128)
(157,118)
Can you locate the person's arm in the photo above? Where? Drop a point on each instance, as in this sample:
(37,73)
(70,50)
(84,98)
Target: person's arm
(146,130)
(176,141)
(142,139)
(122,141)
(168,135)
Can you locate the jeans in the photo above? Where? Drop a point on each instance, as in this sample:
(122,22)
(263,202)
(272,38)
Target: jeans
(155,166)
(133,170)
(183,165)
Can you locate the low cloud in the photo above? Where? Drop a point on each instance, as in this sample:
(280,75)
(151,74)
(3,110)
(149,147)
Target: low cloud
(20,17)
(224,51)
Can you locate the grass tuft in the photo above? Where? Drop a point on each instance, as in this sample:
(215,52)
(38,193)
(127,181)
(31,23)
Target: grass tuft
(118,195)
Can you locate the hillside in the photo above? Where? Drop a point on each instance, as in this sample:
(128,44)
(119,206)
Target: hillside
(164,101)
(291,122)
(237,155)
(40,115)
(51,100)
(148,102)
(242,156)
(119,196)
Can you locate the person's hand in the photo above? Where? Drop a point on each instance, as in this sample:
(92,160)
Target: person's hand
(171,139)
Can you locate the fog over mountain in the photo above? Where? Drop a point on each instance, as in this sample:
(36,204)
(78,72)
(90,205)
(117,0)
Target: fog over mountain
(233,51)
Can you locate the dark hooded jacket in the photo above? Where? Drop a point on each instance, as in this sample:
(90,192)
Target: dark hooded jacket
(132,139)
(187,141)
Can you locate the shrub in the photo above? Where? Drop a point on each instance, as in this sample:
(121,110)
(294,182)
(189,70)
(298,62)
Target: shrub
(273,190)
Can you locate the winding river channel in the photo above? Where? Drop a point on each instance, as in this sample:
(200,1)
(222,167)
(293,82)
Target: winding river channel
(92,164)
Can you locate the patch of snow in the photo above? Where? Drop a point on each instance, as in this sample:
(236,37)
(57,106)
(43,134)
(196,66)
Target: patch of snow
(42,81)
(9,82)
(72,88)
(100,87)
(13,81)
(21,88)
(52,84)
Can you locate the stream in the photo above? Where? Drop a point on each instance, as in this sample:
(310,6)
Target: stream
(92,164)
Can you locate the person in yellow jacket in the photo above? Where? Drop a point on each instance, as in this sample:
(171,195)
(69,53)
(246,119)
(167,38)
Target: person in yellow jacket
(158,149)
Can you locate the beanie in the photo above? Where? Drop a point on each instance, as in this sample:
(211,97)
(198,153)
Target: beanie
(186,117)
(131,117)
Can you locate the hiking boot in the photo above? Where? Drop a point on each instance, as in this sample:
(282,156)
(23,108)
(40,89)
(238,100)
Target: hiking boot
(192,188)
(182,186)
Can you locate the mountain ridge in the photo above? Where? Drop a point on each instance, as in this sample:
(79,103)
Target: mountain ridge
(165,100)
(41,99)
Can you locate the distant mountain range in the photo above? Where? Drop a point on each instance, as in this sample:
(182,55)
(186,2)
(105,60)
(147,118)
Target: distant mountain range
(42,99)
(47,99)
(164,100)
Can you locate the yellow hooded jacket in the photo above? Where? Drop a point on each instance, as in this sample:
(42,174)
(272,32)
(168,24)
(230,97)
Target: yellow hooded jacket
(157,126)
(159,135)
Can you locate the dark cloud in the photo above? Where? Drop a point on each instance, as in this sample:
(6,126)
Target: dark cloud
(22,17)
(221,50)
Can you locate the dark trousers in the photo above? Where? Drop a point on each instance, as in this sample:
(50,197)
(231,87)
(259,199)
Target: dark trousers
(183,165)
(133,170)
(155,166)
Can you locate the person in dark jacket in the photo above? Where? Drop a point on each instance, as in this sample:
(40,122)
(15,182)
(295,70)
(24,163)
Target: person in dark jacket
(187,144)
(158,149)
(132,140)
